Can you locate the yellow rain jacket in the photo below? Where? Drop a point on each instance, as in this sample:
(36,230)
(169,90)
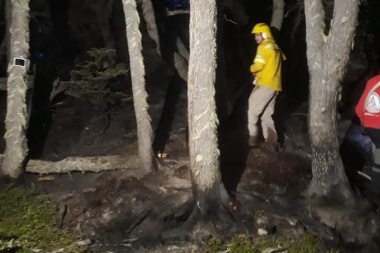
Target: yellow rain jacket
(267,64)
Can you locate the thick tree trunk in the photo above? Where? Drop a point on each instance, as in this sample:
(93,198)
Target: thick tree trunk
(15,121)
(328,171)
(144,127)
(202,117)
(277,14)
(327,57)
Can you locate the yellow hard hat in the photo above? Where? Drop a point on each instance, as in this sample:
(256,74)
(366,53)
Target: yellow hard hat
(262,28)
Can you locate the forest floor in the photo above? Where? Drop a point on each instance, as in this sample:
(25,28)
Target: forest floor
(126,211)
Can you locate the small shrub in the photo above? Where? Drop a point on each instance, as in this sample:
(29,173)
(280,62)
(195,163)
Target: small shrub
(307,244)
(214,245)
(241,244)
(92,75)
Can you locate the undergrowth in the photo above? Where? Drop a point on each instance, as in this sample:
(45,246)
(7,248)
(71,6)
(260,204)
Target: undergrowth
(246,244)
(28,223)
(91,78)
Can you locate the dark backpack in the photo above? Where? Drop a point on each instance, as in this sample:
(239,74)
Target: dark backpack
(177,4)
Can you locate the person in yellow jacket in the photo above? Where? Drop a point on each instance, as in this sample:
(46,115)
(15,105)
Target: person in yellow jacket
(266,69)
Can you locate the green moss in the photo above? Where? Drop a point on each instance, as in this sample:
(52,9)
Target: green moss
(307,244)
(245,244)
(241,244)
(214,245)
(28,219)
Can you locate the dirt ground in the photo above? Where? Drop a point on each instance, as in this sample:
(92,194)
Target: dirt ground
(120,211)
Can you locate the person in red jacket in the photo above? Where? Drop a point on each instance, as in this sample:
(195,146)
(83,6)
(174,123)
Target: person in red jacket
(368,111)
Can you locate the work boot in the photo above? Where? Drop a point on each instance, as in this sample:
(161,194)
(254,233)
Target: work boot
(253,141)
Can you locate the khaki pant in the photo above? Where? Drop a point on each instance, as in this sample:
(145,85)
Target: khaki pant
(261,103)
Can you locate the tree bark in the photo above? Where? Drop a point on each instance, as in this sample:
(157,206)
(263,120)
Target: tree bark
(327,56)
(15,121)
(150,19)
(143,120)
(202,117)
(277,14)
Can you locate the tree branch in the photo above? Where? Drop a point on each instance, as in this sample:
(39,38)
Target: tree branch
(84,164)
(344,18)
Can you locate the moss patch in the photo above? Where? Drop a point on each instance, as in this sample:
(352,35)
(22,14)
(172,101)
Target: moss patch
(246,244)
(28,223)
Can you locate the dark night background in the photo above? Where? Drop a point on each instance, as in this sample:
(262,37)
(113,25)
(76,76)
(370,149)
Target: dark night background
(62,31)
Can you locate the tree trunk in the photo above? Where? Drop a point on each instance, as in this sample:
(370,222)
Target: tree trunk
(277,14)
(202,117)
(327,56)
(144,127)
(15,121)
(150,19)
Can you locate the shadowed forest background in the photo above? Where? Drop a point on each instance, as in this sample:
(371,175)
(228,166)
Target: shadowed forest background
(81,105)
(61,35)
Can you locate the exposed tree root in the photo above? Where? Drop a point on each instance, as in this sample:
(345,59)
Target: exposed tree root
(338,193)
(203,219)
(138,221)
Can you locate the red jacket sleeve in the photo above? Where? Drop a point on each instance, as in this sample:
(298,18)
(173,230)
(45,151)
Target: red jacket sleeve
(359,109)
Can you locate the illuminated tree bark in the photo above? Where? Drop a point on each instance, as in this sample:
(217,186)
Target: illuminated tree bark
(203,121)
(15,122)
(327,54)
(144,127)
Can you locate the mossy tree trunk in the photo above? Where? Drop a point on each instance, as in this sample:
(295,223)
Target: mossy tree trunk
(327,53)
(15,121)
(202,117)
(143,120)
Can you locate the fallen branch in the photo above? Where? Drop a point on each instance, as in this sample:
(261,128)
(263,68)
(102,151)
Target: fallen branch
(63,87)
(84,164)
(93,164)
